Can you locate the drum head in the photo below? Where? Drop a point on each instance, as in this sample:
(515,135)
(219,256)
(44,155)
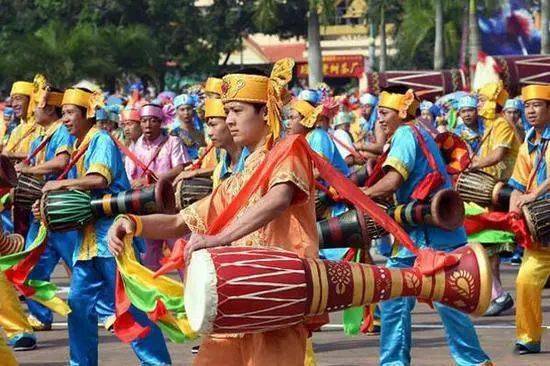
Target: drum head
(165,197)
(8,175)
(201,294)
(529,220)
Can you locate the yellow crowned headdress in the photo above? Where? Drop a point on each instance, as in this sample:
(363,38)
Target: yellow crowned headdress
(213,85)
(43,94)
(262,89)
(213,108)
(22,87)
(495,94)
(89,100)
(535,92)
(309,113)
(405,104)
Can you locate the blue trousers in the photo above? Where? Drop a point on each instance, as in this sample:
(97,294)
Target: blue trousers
(395,341)
(89,279)
(7,222)
(59,246)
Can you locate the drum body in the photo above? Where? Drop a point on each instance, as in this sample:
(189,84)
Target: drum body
(483,189)
(350,229)
(537,216)
(27,191)
(66,210)
(11,243)
(248,290)
(8,176)
(191,190)
(158,198)
(322,203)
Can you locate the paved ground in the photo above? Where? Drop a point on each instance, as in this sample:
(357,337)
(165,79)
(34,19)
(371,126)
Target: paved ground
(332,347)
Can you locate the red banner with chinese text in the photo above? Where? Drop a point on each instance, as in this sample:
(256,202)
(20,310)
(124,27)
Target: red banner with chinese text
(337,67)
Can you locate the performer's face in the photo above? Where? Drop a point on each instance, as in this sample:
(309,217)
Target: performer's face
(468,115)
(367,110)
(185,113)
(150,126)
(20,104)
(218,132)
(246,123)
(132,130)
(43,115)
(512,115)
(389,120)
(75,120)
(537,112)
(427,115)
(294,125)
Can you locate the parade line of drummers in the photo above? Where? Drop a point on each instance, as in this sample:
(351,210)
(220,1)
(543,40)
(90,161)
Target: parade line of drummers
(266,202)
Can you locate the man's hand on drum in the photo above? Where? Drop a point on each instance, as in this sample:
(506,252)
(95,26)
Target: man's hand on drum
(186,174)
(519,199)
(36,210)
(53,185)
(139,183)
(201,241)
(21,168)
(117,232)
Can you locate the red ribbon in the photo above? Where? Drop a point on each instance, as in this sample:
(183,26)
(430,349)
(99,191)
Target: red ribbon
(500,221)
(298,146)
(126,328)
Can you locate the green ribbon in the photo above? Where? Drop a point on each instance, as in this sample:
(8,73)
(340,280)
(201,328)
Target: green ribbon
(10,260)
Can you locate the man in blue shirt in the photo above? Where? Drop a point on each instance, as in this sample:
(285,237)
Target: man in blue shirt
(100,170)
(405,168)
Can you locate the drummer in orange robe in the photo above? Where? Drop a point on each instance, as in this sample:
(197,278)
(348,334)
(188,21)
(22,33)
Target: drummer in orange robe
(280,214)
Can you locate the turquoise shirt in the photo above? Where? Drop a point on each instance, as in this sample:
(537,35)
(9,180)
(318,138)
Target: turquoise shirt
(104,158)
(60,142)
(406,157)
(533,154)
(321,143)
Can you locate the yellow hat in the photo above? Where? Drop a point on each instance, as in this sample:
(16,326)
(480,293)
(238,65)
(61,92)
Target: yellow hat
(213,108)
(22,87)
(43,94)
(81,98)
(309,112)
(495,92)
(405,104)
(535,92)
(261,89)
(213,85)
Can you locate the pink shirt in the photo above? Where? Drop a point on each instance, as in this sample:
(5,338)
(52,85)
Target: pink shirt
(171,154)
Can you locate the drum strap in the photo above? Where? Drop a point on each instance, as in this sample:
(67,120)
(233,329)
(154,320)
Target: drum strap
(73,161)
(126,151)
(430,182)
(349,148)
(198,163)
(539,163)
(27,134)
(433,179)
(155,155)
(39,147)
(478,148)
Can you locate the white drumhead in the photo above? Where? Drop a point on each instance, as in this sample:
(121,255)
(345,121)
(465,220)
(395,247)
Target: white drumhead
(201,293)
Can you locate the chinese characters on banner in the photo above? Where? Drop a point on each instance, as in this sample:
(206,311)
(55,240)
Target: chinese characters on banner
(337,67)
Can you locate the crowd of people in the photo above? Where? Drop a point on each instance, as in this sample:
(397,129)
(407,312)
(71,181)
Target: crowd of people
(388,144)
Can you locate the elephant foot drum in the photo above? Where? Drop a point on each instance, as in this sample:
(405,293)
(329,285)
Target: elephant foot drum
(537,216)
(191,190)
(248,290)
(27,191)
